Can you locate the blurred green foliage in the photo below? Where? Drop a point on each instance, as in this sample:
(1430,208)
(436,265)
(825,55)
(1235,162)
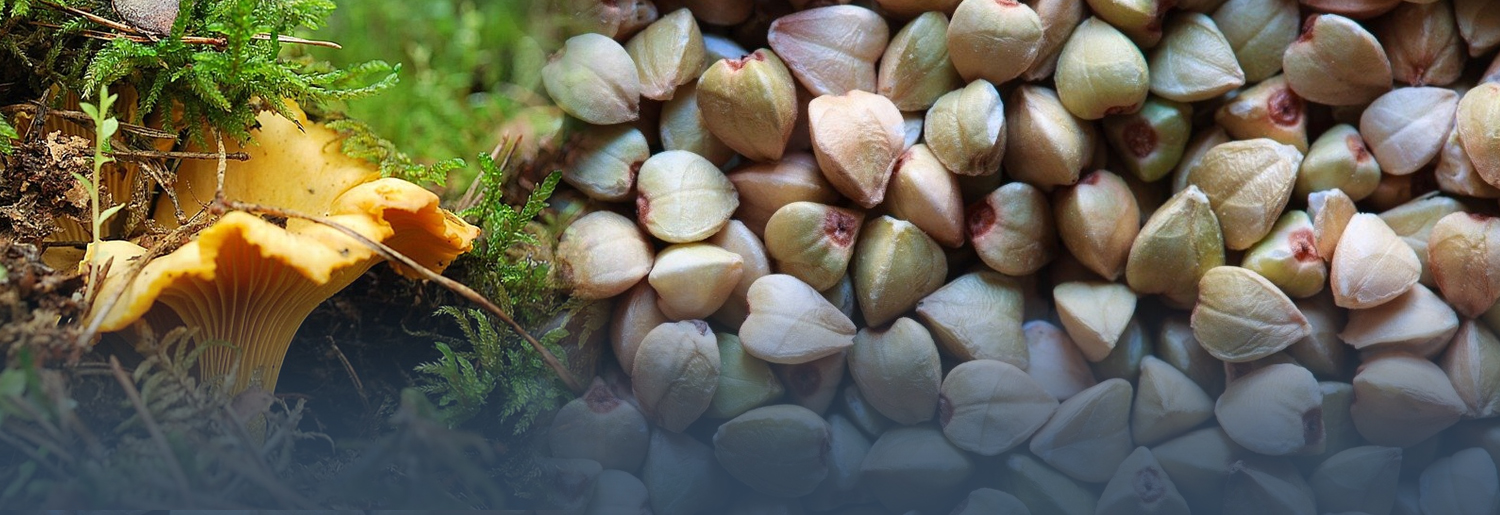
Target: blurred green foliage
(467,65)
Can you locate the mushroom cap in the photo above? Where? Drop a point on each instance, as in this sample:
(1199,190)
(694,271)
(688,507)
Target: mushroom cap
(249,282)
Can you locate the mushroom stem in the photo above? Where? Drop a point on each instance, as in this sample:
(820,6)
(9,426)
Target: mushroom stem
(391,254)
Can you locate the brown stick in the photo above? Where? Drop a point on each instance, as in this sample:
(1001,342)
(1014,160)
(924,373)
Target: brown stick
(154,154)
(83,118)
(452,285)
(151,427)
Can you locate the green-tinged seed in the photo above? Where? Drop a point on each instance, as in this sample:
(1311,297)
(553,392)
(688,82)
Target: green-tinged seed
(813,242)
(683,128)
(895,266)
(1100,72)
(1288,257)
(1194,61)
(1098,220)
(765,187)
(924,193)
(667,54)
(1151,141)
(915,70)
(745,381)
(994,41)
(593,273)
(750,103)
(966,129)
(1248,183)
(1339,160)
(780,451)
(1046,145)
(683,198)
(1259,31)
(1179,243)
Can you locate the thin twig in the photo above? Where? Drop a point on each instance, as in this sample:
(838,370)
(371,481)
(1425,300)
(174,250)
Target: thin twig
(359,386)
(35,456)
(132,34)
(452,285)
(156,154)
(82,118)
(151,427)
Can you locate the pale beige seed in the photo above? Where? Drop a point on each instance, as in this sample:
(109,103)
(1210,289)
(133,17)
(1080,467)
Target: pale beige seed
(750,103)
(1039,485)
(1407,127)
(1456,173)
(857,138)
(675,373)
(831,50)
(1089,435)
(1276,410)
(1413,222)
(602,427)
(1339,160)
(924,193)
(779,451)
(1054,361)
(683,198)
(1059,17)
(1179,243)
(813,242)
(604,164)
(765,187)
(898,370)
(1288,257)
(1140,19)
(1322,352)
(1263,484)
(852,404)
(1423,44)
(1463,251)
(745,382)
(737,238)
(1401,400)
(966,129)
(1462,484)
(1124,361)
(1417,322)
(1360,479)
(1269,109)
(978,316)
(1371,265)
(895,266)
(1199,462)
(915,69)
(1141,486)
(683,128)
(602,254)
(1095,314)
(993,40)
(634,317)
(1098,220)
(989,407)
(790,322)
(1193,154)
(847,449)
(1259,31)
(1176,345)
(1100,72)
(1335,61)
(813,384)
(681,475)
(692,280)
(1242,317)
(667,54)
(1046,145)
(1357,9)
(989,500)
(1330,211)
(1194,61)
(1248,183)
(1167,403)
(1012,229)
(915,468)
(1479,127)
(1472,362)
(593,79)
(1479,24)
